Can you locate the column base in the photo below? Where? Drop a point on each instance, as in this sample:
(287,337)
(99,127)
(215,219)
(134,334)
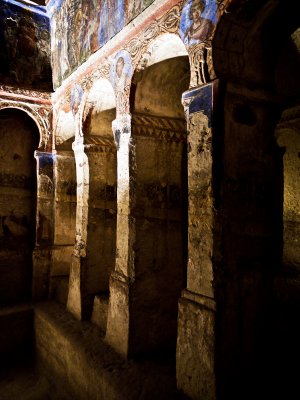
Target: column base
(117,333)
(196,346)
(79,303)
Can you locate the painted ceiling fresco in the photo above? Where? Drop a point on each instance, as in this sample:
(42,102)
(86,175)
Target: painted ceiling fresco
(80,27)
(24,45)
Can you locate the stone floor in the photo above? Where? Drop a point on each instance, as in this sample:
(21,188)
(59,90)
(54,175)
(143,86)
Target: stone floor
(72,361)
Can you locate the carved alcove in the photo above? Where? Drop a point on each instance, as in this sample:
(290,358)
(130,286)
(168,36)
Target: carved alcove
(19,136)
(159,195)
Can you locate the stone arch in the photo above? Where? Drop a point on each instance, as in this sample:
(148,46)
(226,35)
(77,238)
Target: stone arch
(100,99)
(33,113)
(163,47)
(95,154)
(149,205)
(158,132)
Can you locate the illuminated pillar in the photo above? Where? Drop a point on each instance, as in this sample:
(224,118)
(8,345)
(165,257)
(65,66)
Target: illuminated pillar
(117,333)
(196,319)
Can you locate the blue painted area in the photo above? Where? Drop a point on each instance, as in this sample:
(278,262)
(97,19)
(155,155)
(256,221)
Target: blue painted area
(46,159)
(54,6)
(201,101)
(103,27)
(112,20)
(76,98)
(33,8)
(121,70)
(193,30)
(118,16)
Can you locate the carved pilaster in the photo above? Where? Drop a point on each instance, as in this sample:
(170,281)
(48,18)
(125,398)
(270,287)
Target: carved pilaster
(94,249)
(118,313)
(44,230)
(76,301)
(196,319)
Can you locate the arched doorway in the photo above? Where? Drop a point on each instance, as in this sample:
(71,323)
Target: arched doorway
(19,138)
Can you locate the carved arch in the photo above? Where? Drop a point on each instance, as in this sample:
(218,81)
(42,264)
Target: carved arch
(32,113)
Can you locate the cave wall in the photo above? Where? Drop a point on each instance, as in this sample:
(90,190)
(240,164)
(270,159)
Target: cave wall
(25,46)
(19,139)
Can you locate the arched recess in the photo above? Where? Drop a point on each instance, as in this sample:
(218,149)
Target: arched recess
(101,199)
(41,124)
(256,57)
(160,194)
(19,138)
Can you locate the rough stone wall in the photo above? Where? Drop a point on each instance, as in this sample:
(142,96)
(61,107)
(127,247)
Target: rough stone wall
(25,46)
(101,221)
(288,139)
(19,139)
(257,293)
(242,292)
(250,215)
(159,197)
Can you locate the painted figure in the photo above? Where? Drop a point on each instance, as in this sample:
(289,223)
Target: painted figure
(121,74)
(201,28)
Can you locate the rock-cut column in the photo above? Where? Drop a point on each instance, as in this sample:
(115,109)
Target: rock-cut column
(42,254)
(196,319)
(117,333)
(78,301)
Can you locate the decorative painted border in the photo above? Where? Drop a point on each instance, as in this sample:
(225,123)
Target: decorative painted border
(25,94)
(167,129)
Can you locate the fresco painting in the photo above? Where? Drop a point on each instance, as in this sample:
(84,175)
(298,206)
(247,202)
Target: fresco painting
(197,21)
(84,26)
(76,98)
(121,70)
(135,7)
(120,76)
(25,46)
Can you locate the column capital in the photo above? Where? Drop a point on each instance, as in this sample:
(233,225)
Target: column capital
(121,126)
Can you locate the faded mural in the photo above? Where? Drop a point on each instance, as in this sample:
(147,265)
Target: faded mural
(25,46)
(80,27)
(120,76)
(197,21)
